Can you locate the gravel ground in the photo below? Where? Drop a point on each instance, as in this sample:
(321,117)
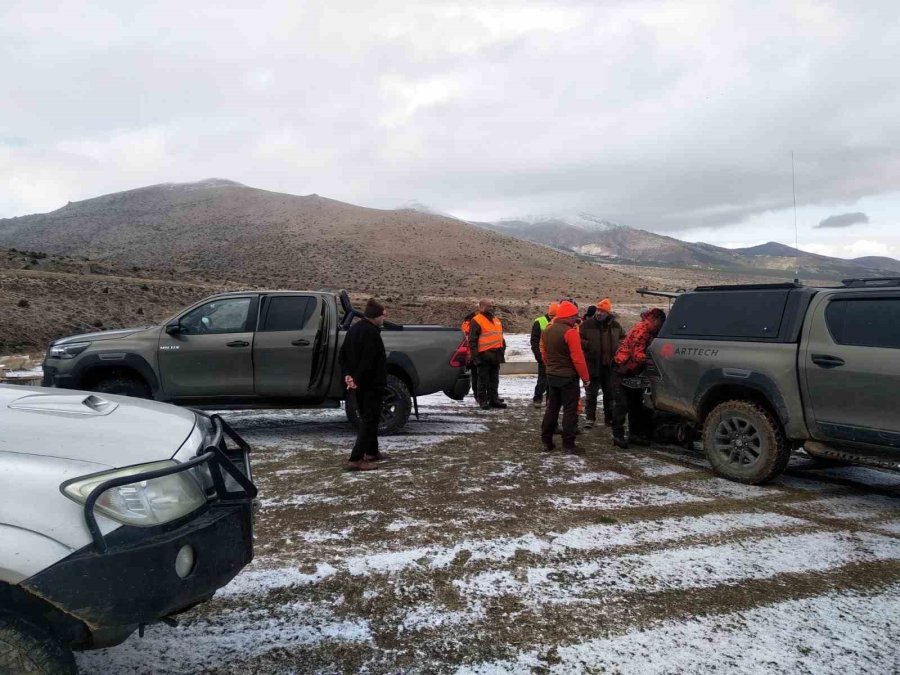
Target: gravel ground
(471,551)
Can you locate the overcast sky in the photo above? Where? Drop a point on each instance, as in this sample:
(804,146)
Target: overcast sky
(678,117)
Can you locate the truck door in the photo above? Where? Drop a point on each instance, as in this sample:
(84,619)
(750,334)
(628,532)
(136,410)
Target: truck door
(285,347)
(211,352)
(852,368)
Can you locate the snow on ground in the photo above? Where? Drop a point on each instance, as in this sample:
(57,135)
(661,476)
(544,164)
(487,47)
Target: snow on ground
(472,551)
(830,633)
(518,347)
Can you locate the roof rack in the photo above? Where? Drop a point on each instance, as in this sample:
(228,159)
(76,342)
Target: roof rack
(660,294)
(873,281)
(752,287)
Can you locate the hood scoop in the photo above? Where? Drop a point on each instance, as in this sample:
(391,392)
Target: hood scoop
(65,404)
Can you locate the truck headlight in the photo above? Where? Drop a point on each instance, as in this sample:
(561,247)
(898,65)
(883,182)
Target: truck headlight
(144,503)
(68,350)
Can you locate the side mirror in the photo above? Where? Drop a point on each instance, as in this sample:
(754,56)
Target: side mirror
(174,328)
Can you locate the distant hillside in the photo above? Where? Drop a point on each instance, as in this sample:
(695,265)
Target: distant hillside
(772,249)
(218,229)
(615,243)
(879,262)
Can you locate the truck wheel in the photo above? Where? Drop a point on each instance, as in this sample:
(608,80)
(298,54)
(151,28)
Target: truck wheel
(743,442)
(124,384)
(395,407)
(25,648)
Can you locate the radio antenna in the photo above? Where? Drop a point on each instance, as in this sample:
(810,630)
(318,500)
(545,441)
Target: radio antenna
(796,230)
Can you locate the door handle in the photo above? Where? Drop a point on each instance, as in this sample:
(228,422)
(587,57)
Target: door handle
(238,343)
(300,343)
(826,361)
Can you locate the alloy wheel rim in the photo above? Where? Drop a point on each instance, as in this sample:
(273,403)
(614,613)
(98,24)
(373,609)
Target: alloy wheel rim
(738,441)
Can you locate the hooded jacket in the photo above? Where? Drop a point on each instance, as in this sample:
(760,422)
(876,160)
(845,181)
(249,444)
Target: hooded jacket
(600,339)
(362,355)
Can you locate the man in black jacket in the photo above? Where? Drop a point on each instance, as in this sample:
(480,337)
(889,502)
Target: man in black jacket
(601,335)
(364,364)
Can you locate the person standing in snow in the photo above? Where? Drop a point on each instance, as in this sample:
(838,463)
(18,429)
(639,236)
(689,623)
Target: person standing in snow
(537,330)
(601,334)
(488,348)
(629,381)
(565,364)
(364,364)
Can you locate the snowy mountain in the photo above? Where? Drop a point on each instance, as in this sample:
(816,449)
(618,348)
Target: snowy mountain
(582,221)
(601,240)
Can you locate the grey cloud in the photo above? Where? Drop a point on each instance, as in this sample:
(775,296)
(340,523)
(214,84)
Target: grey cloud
(470,107)
(843,220)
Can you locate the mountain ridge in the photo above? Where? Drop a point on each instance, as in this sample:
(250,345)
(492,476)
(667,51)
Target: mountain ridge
(624,244)
(220,229)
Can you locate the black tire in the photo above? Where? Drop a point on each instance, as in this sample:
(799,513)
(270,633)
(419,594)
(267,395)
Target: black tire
(395,411)
(123,384)
(26,649)
(744,442)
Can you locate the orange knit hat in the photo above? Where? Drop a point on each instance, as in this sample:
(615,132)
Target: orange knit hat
(553,308)
(605,305)
(566,310)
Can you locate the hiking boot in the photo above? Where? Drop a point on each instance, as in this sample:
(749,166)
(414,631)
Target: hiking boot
(360,465)
(620,442)
(499,404)
(548,447)
(640,440)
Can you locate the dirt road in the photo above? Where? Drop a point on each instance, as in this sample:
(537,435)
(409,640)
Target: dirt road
(473,552)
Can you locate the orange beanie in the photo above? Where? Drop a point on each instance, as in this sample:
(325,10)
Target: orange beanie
(605,305)
(566,310)
(553,308)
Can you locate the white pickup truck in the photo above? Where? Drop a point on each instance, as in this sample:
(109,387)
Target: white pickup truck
(114,513)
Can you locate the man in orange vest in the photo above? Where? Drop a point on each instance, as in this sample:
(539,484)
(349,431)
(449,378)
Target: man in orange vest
(473,369)
(565,365)
(488,349)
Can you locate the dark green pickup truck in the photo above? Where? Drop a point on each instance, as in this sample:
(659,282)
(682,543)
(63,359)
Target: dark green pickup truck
(763,370)
(258,349)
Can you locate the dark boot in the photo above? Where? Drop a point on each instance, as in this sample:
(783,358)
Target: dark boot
(619,440)
(498,404)
(643,441)
(548,447)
